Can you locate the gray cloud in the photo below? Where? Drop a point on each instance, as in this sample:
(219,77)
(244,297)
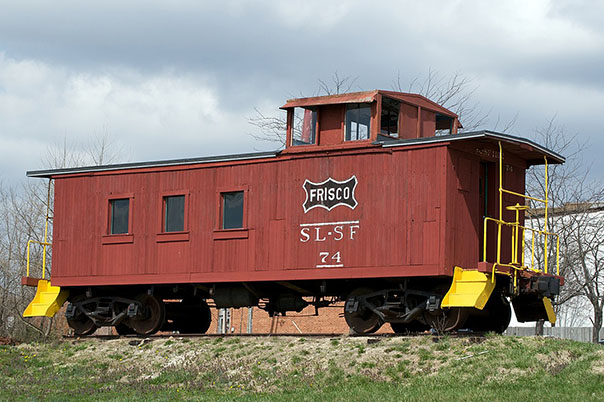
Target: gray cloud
(180,78)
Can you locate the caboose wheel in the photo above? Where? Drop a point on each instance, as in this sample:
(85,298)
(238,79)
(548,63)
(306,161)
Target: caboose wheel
(82,325)
(196,317)
(410,327)
(450,319)
(495,317)
(363,320)
(123,329)
(152,318)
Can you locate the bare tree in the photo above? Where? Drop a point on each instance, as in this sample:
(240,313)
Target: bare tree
(272,128)
(336,84)
(454,92)
(62,155)
(574,201)
(561,179)
(99,149)
(23,212)
(574,313)
(584,246)
(21,216)
(102,149)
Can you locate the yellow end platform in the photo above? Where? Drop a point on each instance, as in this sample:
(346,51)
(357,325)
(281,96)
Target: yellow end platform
(469,289)
(48,300)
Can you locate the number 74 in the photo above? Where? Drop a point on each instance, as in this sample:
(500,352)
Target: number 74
(324,255)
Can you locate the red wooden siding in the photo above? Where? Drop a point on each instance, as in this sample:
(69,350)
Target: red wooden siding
(418,214)
(408,121)
(428,123)
(465,209)
(331,120)
(400,213)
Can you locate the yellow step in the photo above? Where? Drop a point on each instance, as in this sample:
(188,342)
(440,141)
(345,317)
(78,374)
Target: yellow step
(469,288)
(47,301)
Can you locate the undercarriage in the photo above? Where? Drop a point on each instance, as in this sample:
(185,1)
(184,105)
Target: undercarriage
(407,305)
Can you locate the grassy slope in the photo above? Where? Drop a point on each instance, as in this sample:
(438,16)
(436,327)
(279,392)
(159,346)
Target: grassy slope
(341,369)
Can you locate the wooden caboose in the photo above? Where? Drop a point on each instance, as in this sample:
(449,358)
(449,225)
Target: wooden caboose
(377,199)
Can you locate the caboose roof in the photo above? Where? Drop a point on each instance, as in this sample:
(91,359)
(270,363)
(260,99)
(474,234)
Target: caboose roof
(368,97)
(532,152)
(526,149)
(151,164)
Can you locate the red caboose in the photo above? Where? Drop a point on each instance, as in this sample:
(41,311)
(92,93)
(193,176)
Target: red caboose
(376,200)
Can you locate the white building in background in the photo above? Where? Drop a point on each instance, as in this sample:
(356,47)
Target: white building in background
(574,221)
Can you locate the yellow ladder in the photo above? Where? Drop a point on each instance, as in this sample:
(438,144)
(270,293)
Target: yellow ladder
(48,299)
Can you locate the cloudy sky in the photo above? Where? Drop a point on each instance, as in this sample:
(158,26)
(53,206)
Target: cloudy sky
(181,78)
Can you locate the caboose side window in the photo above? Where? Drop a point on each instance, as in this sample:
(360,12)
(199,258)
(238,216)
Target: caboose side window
(304,127)
(389,118)
(174,213)
(358,118)
(232,210)
(119,218)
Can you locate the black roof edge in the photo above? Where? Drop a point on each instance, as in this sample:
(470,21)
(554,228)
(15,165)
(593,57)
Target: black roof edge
(556,158)
(137,165)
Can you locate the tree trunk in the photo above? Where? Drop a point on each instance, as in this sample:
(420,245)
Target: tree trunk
(597,325)
(51,320)
(539,327)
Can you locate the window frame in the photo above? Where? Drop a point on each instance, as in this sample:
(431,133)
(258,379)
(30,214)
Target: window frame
(314,127)
(359,106)
(116,238)
(181,235)
(236,233)
(396,109)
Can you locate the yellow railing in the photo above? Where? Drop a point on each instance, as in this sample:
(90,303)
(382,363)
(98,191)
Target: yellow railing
(518,253)
(44,245)
(519,231)
(45,242)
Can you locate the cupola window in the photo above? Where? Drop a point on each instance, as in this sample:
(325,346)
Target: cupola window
(389,119)
(358,119)
(304,128)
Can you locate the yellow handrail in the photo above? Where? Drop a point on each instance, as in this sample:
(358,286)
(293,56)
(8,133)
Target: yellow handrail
(514,262)
(516,227)
(44,243)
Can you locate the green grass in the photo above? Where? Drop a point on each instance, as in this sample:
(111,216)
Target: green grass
(260,369)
